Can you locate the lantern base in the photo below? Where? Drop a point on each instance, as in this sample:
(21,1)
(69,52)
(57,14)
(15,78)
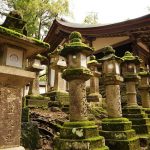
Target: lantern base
(58,98)
(80,135)
(140,123)
(119,134)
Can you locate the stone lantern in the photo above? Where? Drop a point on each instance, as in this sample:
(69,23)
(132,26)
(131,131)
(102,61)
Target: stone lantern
(115,125)
(111,73)
(94,95)
(144,88)
(34,64)
(132,111)
(58,92)
(78,133)
(15,48)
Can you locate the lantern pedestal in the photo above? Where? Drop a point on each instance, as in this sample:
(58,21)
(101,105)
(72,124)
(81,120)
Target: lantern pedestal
(140,123)
(117,131)
(80,135)
(58,99)
(119,134)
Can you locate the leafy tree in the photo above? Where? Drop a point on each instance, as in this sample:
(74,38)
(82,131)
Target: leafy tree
(39,14)
(91,18)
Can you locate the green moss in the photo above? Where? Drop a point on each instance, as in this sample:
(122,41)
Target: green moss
(76,73)
(79,124)
(25,114)
(128,57)
(75,45)
(34,97)
(40,57)
(115,120)
(108,50)
(39,42)
(13,33)
(30,137)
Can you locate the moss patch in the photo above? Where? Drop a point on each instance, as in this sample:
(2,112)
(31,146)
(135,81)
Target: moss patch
(13,33)
(79,124)
(76,73)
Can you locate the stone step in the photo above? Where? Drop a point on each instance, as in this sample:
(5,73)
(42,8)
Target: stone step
(95,143)
(79,132)
(132,110)
(129,116)
(120,135)
(140,121)
(130,144)
(116,126)
(142,129)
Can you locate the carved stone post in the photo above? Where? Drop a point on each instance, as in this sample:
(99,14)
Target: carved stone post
(79,133)
(115,125)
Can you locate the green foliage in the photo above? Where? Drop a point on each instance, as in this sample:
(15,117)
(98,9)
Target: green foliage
(91,18)
(39,14)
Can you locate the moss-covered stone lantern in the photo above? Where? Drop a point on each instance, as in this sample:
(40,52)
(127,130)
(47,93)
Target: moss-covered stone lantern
(111,73)
(135,113)
(79,133)
(94,95)
(15,48)
(34,64)
(58,93)
(144,88)
(114,127)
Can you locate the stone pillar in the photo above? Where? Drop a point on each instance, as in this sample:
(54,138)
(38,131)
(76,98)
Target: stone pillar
(78,102)
(59,82)
(115,125)
(113,101)
(34,86)
(131,93)
(78,133)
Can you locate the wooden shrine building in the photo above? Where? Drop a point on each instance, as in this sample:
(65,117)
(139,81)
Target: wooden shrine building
(132,35)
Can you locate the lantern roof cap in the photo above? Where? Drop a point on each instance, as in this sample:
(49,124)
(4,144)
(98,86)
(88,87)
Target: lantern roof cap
(109,54)
(92,61)
(129,57)
(143,72)
(76,45)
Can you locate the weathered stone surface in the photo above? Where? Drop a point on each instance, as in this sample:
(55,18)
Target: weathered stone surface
(34,86)
(113,101)
(131,93)
(10,117)
(78,102)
